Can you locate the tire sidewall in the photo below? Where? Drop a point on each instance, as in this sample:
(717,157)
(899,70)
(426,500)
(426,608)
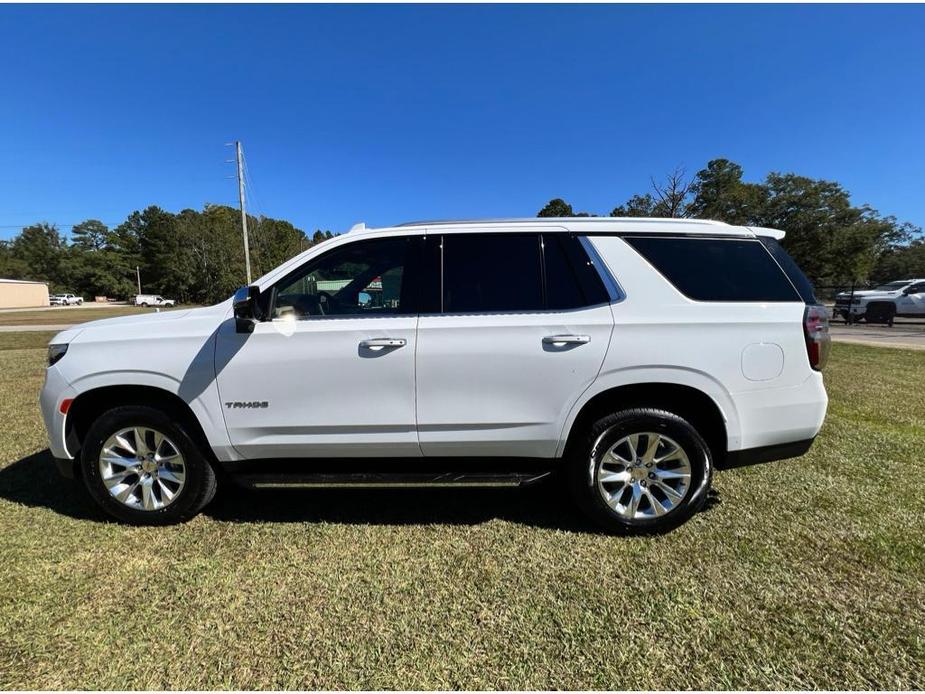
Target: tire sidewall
(198,472)
(613,428)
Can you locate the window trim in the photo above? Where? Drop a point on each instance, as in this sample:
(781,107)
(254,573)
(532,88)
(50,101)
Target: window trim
(425,269)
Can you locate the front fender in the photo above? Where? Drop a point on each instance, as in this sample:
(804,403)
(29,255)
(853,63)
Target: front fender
(204,402)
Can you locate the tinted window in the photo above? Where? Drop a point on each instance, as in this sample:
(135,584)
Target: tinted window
(491,272)
(717,269)
(571,279)
(363,278)
(789,265)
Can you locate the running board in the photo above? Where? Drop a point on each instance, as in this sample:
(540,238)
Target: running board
(366,480)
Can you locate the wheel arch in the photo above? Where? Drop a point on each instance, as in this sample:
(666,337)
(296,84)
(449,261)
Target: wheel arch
(92,403)
(688,401)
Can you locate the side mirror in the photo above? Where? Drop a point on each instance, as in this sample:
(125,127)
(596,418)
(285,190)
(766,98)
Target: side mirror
(246,311)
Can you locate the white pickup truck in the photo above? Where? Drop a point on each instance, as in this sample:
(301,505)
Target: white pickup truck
(153,300)
(883,303)
(65,300)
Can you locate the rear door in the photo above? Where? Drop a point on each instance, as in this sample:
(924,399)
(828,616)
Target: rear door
(520,329)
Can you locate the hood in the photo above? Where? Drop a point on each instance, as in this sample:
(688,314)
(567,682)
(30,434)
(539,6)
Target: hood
(868,293)
(152,319)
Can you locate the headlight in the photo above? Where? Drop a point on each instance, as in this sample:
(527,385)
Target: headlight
(55,352)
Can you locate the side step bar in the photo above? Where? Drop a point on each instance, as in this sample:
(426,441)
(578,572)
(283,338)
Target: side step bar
(370,480)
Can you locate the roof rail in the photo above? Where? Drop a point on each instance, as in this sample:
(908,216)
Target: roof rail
(556,220)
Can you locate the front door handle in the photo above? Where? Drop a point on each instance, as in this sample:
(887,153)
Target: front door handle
(383,342)
(567,339)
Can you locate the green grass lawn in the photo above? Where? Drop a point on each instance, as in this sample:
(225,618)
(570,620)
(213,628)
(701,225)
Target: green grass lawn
(73,314)
(808,573)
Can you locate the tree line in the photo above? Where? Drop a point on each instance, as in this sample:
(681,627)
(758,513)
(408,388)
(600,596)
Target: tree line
(834,241)
(193,256)
(197,256)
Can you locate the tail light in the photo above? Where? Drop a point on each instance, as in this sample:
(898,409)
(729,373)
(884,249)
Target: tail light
(818,340)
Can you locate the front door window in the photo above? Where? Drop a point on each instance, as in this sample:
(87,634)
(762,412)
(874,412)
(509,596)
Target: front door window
(364,278)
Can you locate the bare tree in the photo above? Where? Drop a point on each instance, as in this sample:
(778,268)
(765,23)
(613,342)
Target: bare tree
(671,197)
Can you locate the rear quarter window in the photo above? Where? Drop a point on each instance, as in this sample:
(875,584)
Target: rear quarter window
(789,265)
(711,269)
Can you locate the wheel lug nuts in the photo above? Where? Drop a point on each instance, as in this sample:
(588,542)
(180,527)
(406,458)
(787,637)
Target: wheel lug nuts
(651,475)
(644,483)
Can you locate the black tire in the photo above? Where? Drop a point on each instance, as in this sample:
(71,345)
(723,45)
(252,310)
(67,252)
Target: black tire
(881,312)
(200,483)
(582,468)
(144,304)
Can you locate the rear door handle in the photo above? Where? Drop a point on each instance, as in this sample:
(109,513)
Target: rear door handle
(383,342)
(567,339)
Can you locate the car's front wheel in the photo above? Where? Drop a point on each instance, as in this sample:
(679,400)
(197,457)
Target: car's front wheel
(643,470)
(144,469)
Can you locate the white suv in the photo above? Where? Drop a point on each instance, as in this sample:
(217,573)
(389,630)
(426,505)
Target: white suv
(632,356)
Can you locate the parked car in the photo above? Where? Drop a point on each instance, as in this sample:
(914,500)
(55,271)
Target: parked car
(634,357)
(883,303)
(65,300)
(153,300)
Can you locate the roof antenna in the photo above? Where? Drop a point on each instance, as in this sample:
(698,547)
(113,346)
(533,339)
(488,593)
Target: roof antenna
(359,226)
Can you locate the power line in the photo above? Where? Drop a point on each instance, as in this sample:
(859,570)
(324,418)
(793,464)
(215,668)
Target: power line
(55,224)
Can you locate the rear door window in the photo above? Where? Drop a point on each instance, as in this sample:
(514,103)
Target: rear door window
(571,280)
(711,269)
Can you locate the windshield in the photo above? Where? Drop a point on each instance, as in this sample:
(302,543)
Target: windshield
(891,286)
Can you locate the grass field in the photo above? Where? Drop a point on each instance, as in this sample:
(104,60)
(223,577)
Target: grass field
(74,314)
(808,573)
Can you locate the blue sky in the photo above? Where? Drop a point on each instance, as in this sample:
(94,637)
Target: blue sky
(390,113)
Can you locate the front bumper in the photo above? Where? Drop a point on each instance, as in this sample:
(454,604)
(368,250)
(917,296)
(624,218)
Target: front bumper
(54,391)
(854,310)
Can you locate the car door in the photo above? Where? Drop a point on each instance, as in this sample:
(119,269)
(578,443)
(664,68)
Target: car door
(521,331)
(912,301)
(331,371)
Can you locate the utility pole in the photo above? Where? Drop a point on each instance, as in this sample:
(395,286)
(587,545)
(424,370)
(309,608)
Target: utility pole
(247,253)
(138,275)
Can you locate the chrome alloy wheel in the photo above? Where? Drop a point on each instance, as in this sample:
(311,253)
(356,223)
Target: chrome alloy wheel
(643,475)
(142,468)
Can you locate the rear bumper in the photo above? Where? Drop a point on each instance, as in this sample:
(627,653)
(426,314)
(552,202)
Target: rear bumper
(765,454)
(780,416)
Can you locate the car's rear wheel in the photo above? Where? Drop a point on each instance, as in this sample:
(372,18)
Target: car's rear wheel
(144,304)
(643,470)
(881,312)
(143,468)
